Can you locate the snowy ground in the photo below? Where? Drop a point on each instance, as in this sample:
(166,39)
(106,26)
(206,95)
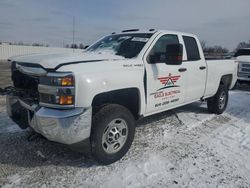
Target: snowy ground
(186,147)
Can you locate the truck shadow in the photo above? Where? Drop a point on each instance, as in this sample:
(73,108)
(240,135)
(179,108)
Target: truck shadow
(196,108)
(17,150)
(243,87)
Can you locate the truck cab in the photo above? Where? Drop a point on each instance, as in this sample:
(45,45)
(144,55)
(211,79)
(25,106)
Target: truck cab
(172,83)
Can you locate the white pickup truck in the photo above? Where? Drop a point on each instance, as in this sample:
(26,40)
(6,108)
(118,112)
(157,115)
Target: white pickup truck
(94,98)
(243,57)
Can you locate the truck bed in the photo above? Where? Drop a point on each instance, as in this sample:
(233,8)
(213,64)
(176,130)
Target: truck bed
(216,68)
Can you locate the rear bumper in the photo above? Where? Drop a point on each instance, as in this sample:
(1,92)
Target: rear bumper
(62,126)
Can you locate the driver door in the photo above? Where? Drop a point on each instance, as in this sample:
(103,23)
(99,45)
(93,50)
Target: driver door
(165,84)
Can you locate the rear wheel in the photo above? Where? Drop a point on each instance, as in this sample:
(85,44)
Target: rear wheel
(218,103)
(112,133)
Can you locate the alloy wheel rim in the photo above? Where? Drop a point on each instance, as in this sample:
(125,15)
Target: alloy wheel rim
(222,100)
(114,136)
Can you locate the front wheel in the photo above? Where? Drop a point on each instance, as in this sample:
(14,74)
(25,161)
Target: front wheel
(112,133)
(218,103)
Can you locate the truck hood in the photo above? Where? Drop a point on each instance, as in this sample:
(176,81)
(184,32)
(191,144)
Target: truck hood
(52,61)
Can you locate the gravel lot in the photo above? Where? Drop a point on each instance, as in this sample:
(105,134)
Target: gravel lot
(186,147)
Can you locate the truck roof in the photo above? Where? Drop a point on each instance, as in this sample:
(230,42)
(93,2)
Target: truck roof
(152,31)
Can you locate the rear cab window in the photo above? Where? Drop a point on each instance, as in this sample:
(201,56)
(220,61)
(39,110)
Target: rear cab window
(192,49)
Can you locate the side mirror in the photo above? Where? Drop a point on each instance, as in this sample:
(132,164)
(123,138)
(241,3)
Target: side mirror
(174,53)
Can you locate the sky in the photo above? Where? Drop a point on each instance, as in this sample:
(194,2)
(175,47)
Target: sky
(218,22)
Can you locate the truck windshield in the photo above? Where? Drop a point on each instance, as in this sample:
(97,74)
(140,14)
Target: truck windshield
(126,45)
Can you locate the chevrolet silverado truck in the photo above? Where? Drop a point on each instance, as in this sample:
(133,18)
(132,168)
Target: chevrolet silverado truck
(243,58)
(93,99)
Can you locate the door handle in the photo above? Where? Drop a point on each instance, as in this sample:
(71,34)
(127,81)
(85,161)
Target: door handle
(202,67)
(182,70)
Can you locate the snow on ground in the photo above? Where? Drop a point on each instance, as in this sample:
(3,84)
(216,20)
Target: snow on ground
(6,125)
(185,147)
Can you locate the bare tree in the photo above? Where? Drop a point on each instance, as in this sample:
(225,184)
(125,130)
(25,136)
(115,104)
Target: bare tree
(81,46)
(214,52)
(243,45)
(20,43)
(37,44)
(74,46)
(203,44)
(215,49)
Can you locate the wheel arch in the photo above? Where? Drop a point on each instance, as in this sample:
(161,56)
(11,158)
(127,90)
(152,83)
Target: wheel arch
(226,80)
(128,97)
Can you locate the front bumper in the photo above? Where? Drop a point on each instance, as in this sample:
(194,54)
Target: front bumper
(244,79)
(62,126)
(243,76)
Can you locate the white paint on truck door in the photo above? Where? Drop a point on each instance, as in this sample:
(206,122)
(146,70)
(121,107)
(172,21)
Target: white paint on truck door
(166,85)
(196,69)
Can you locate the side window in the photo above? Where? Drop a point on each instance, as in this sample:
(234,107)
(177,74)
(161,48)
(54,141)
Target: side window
(191,48)
(159,50)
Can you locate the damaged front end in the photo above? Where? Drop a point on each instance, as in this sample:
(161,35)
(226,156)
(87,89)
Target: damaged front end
(14,108)
(23,94)
(45,101)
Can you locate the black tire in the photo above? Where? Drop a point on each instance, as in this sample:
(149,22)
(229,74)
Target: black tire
(101,125)
(215,104)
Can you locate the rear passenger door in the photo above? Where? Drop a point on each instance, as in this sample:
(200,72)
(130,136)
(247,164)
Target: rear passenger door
(196,69)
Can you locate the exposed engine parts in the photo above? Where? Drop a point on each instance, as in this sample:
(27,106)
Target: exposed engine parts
(7,90)
(25,87)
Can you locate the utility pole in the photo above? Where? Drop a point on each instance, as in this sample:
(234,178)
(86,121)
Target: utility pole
(73,33)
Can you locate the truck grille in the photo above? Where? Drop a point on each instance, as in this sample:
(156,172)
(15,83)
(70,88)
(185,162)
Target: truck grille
(245,70)
(244,67)
(27,86)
